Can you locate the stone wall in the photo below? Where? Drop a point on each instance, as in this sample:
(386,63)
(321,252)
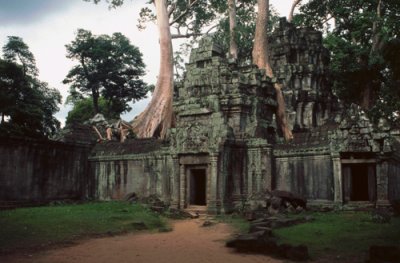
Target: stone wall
(301,64)
(42,170)
(394,172)
(304,172)
(139,166)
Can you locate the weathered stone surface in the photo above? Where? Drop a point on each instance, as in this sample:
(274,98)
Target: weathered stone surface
(293,199)
(296,253)
(301,63)
(131,197)
(225,131)
(381,215)
(40,171)
(387,254)
(264,243)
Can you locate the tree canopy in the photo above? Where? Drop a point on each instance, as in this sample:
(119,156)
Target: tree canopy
(109,67)
(363,41)
(27,104)
(83,110)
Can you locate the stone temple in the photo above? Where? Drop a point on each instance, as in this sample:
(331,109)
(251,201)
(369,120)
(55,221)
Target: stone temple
(225,148)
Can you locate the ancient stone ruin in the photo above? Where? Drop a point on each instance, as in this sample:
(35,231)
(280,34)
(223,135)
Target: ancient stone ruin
(226,151)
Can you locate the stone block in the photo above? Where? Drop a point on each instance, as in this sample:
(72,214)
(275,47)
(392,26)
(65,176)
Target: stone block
(389,254)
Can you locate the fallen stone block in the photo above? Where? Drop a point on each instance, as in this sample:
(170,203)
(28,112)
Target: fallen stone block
(139,225)
(295,253)
(387,254)
(293,199)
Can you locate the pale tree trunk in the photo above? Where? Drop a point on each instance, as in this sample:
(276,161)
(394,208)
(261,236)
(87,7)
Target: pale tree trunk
(156,119)
(233,48)
(260,58)
(259,53)
(294,4)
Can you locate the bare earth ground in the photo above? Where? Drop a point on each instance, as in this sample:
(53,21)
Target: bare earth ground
(188,242)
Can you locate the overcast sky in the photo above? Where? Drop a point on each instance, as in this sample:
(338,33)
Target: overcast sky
(47,25)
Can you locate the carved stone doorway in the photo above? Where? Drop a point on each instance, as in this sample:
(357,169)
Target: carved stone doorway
(197,187)
(359,182)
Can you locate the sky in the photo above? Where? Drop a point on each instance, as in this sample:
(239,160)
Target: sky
(46,26)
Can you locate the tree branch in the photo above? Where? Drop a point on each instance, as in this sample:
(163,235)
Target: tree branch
(176,36)
(184,13)
(326,20)
(171,9)
(295,3)
(187,35)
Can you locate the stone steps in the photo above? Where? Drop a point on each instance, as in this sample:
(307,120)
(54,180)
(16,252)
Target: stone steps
(198,210)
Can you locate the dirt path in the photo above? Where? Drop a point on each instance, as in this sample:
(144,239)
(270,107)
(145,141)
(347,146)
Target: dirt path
(188,242)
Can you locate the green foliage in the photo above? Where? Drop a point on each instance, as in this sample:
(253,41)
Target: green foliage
(240,224)
(16,51)
(31,227)
(108,66)
(361,36)
(27,104)
(83,110)
(345,233)
(389,103)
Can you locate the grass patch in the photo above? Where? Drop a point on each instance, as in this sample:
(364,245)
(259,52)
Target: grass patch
(41,226)
(239,223)
(347,233)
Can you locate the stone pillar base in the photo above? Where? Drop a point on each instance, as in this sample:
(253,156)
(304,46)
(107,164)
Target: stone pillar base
(213,207)
(382,203)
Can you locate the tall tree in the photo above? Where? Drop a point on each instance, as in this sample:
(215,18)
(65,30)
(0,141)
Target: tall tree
(261,59)
(108,66)
(246,16)
(187,19)
(83,110)
(157,117)
(362,30)
(291,13)
(16,51)
(27,104)
(233,47)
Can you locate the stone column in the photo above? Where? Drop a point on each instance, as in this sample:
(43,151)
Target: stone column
(382,170)
(212,185)
(250,173)
(266,168)
(175,182)
(337,179)
(182,179)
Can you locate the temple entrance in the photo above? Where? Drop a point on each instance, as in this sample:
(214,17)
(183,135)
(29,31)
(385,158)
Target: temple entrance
(359,182)
(197,193)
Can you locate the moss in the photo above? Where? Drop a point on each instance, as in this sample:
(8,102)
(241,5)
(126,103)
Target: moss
(41,226)
(347,233)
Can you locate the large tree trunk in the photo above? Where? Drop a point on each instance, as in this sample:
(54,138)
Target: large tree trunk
(294,4)
(95,96)
(156,118)
(368,95)
(233,48)
(259,53)
(260,58)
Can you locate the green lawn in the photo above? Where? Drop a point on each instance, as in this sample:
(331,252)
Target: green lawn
(345,233)
(240,224)
(41,226)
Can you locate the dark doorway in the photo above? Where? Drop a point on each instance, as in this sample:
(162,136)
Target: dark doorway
(359,182)
(198,187)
